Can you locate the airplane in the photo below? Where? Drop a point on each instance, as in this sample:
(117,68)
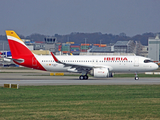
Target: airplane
(97,66)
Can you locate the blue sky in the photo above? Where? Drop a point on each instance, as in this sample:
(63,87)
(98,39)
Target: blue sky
(62,17)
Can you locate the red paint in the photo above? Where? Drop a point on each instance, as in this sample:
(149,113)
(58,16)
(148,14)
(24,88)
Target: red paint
(115,59)
(19,51)
(55,59)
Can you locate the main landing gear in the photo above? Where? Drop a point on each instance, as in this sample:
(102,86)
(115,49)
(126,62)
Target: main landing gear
(136,76)
(83,77)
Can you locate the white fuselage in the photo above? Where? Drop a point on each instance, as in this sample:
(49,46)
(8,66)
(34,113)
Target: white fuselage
(114,63)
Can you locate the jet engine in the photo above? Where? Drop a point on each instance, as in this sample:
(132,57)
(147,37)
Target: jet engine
(100,72)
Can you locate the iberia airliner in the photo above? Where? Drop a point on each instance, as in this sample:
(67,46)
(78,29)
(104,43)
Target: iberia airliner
(97,66)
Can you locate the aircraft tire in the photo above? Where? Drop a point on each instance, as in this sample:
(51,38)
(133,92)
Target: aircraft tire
(81,77)
(85,77)
(136,78)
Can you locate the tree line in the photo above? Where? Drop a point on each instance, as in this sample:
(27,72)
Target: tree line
(91,38)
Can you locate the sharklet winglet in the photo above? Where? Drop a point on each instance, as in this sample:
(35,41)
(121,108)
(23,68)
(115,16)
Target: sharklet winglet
(55,59)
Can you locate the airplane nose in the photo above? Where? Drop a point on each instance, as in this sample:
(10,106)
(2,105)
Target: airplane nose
(156,66)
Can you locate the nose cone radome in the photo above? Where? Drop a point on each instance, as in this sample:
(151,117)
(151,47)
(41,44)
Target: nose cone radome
(155,66)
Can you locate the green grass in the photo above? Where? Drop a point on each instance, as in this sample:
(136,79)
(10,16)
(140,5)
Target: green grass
(80,102)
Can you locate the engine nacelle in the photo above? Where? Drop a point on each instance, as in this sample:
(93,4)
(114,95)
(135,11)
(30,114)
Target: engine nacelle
(100,72)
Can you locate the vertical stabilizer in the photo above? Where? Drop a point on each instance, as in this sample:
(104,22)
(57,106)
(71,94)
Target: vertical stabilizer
(20,53)
(17,46)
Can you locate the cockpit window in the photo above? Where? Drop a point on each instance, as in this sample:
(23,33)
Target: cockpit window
(147,61)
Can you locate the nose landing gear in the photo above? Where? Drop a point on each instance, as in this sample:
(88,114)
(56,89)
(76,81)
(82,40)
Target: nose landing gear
(136,76)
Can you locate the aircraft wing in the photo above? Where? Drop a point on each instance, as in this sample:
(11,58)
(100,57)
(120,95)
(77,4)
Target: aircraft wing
(78,67)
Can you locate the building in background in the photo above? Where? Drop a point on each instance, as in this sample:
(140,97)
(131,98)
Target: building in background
(65,48)
(124,47)
(75,49)
(50,44)
(154,48)
(144,51)
(85,47)
(4,46)
(96,49)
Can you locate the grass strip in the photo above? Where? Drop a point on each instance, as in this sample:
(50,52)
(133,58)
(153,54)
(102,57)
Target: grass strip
(81,102)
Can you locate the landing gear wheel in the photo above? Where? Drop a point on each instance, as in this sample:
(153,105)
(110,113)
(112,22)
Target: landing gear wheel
(85,77)
(81,77)
(136,78)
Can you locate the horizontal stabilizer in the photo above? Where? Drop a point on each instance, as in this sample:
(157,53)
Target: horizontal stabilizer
(17,60)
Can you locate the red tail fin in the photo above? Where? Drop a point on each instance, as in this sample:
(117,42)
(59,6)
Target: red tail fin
(20,53)
(17,46)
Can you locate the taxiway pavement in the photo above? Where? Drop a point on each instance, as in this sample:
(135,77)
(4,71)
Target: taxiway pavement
(74,81)
(35,78)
